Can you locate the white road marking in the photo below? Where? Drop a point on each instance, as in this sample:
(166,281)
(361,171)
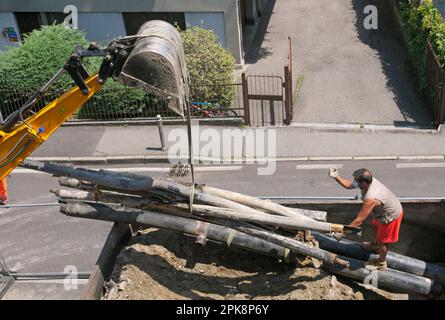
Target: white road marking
(420,165)
(318,166)
(145,169)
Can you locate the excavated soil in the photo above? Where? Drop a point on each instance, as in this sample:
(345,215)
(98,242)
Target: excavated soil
(159,264)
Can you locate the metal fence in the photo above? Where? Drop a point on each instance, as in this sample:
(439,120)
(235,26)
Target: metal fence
(435,73)
(122,104)
(211,109)
(435,90)
(259,100)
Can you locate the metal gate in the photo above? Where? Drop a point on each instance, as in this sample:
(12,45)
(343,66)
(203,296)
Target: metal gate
(264,97)
(268,99)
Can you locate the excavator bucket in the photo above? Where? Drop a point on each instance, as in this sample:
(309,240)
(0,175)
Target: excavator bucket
(157,64)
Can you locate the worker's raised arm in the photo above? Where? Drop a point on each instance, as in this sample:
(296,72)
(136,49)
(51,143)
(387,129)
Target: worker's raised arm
(345,183)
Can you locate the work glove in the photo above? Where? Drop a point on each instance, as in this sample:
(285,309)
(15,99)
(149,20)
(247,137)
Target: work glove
(333,172)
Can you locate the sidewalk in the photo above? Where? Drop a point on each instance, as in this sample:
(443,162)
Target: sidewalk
(139,144)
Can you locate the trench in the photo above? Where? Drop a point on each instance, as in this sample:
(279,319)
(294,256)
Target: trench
(422,236)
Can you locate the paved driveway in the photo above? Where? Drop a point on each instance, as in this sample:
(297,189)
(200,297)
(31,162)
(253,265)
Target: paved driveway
(351,75)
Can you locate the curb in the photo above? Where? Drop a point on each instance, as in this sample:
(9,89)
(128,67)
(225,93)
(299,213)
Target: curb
(141,159)
(366,128)
(237,122)
(110,160)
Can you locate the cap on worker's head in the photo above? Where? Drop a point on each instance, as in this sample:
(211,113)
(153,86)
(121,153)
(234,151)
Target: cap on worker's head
(362,175)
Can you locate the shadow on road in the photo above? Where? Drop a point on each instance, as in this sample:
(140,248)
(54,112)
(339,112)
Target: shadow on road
(386,41)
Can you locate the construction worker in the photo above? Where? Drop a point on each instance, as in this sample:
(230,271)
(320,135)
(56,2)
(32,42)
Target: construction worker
(386,208)
(3,192)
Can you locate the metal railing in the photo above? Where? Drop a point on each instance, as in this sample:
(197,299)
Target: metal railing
(122,104)
(259,100)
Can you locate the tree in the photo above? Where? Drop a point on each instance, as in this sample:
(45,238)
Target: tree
(27,67)
(43,52)
(210,66)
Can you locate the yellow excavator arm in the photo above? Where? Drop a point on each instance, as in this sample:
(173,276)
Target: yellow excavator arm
(152,60)
(29,134)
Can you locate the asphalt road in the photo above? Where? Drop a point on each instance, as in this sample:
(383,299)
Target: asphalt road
(43,240)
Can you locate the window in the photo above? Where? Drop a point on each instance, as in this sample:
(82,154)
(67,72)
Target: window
(54,17)
(134,20)
(29,21)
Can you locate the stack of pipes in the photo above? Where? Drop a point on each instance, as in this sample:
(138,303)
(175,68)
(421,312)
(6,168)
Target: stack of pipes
(232,219)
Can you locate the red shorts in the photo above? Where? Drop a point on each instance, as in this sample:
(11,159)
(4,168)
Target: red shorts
(387,233)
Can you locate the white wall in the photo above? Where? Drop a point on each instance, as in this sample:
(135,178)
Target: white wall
(208,20)
(100,26)
(7,19)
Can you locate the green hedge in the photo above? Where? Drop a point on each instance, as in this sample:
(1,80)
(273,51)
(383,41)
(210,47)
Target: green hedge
(210,67)
(421,23)
(43,52)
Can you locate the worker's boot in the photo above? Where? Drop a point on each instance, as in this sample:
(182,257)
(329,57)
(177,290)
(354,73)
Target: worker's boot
(376,265)
(371,247)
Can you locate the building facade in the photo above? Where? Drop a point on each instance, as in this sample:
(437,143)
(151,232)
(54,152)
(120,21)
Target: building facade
(103,20)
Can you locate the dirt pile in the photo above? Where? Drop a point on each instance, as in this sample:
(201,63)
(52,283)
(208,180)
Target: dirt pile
(159,264)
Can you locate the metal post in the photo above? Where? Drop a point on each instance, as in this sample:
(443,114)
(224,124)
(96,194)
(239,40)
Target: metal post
(161,132)
(441,113)
(288,96)
(291,75)
(245,99)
